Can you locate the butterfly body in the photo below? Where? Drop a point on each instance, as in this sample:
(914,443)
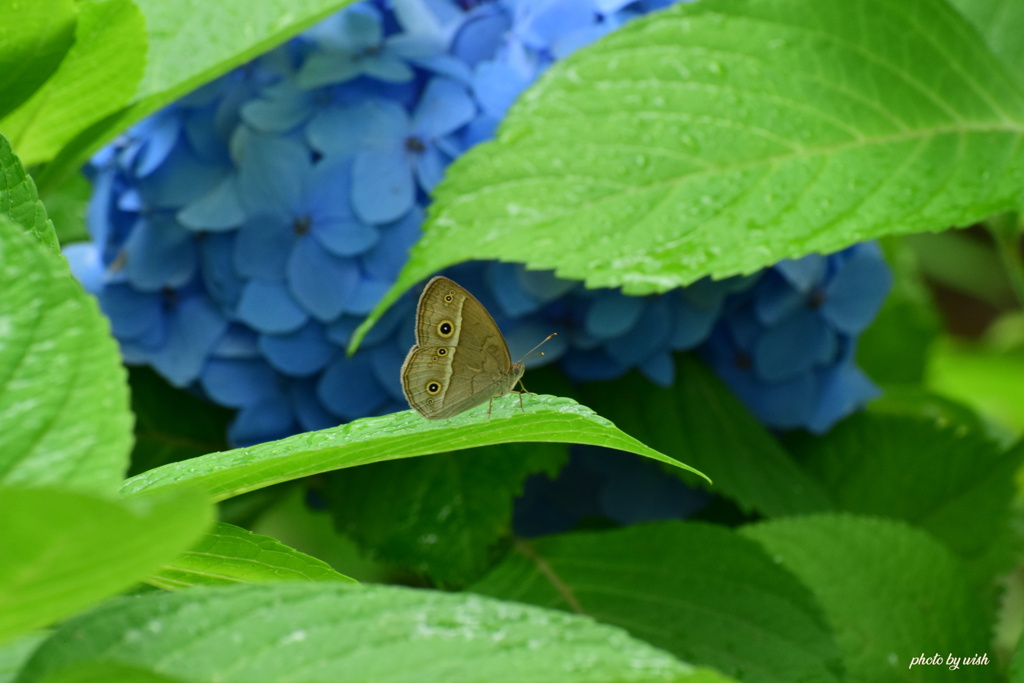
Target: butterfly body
(460,359)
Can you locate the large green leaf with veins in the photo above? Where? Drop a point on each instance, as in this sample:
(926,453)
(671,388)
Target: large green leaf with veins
(718,137)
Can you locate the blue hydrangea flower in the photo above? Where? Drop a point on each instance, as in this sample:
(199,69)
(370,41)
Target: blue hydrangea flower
(241,234)
(787,348)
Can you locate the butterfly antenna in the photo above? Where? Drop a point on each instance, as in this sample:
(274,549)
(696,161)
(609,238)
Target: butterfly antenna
(531,354)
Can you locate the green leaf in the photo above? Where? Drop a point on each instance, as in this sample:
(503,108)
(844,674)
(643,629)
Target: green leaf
(19,201)
(66,205)
(698,419)
(783,126)
(963,263)
(34,37)
(890,592)
(977,376)
(14,653)
(64,550)
(699,591)
(1017,664)
(1000,23)
(102,672)
(98,77)
(190,43)
(894,348)
(389,437)
(953,483)
(454,506)
(64,415)
(171,424)
(229,555)
(329,632)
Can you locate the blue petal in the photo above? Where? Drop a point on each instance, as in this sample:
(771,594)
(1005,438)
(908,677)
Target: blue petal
(206,138)
(649,334)
(216,267)
(856,293)
(373,124)
(130,200)
(325,68)
(386,362)
(591,366)
(365,295)
(267,420)
(513,299)
(743,327)
(803,274)
(783,405)
(430,166)
(158,142)
(480,129)
(361,27)
(482,33)
(270,308)
(273,175)
(433,18)
(281,108)
(307,408)
(386,67)
(320,281)
(160,254)
(496,85)
(791,348)
(217,210)
(99,212)
(192,331)
(776,298)
(444,107)
(445,65)
(344,237)
(180,180)
(414,45)
(842,389)
(382,188)
(390,253)
(237,383)
(299,353)
(786,405)
(131,312)
(262,247)
(349,388)
(86,265)
(613,314)
(238,341)
(691,325)
(395,326)
(568,43)
(660,369)
(541,24)
(544,284)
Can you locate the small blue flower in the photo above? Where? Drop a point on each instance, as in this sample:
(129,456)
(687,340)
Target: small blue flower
(353,43)
(393,152)
(301,229)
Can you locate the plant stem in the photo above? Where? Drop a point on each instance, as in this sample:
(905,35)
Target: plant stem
(1005,231)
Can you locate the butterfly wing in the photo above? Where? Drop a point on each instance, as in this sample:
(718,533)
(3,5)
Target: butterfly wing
(460,358)
(439,390)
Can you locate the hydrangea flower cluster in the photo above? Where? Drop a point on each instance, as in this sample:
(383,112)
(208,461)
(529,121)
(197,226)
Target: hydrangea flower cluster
(241,234)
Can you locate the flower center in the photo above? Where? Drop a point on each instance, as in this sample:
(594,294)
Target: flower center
(302,225)
(415,145)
